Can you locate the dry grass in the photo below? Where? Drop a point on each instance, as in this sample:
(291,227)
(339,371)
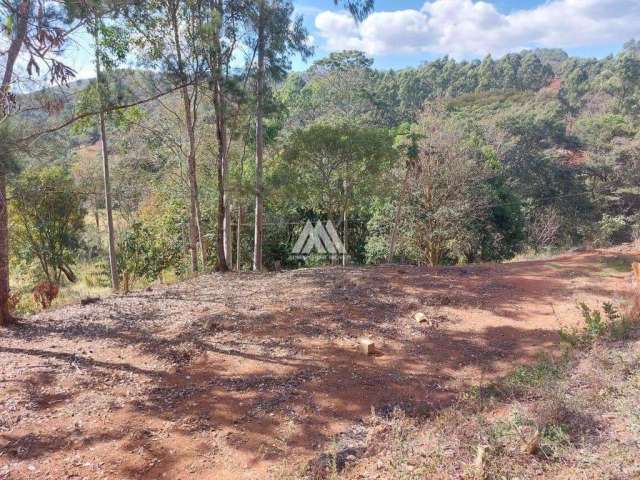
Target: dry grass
(576,416)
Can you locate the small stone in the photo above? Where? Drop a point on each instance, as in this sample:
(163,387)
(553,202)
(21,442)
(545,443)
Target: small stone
(420,317)
(367,346)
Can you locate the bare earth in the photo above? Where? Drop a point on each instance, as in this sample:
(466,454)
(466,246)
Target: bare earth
(245,376)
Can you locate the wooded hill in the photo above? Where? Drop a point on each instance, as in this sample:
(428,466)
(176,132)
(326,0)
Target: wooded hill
(452,161)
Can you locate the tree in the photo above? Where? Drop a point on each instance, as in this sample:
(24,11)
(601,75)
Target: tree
(113,260)
(336,170)
(407,144)
(37,29)
(47,219)
(338,88)
(446,187)
(220,33)
(277,38)
(169,38)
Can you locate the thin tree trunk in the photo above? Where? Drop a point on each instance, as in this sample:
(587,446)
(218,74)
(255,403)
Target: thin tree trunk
(257,239)
(4,252)
(345,229)
(221,172)
(194,230)
(239,238)
(227,227)
(113,260)
(221,136)
(12,55)
(201,239)
(396,220)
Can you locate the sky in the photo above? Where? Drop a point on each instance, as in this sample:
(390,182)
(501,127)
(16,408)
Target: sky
(402,33)
(406,33)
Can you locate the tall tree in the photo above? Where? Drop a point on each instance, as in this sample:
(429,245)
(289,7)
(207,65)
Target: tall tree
(169,37)
(277,37)
(221,36)
(104,149)
(34,29)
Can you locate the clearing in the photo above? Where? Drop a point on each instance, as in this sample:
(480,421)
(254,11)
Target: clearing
(245,376)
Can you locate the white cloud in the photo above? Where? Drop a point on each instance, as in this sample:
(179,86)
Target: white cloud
(465,28)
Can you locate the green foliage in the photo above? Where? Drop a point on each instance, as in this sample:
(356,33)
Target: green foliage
(330,168)
(145,255)
(530,377)
(608,228)
(47,219)
(614,326)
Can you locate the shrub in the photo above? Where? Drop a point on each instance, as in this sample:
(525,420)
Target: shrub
(144,254)
(46,200)
(613,326)
(609,228)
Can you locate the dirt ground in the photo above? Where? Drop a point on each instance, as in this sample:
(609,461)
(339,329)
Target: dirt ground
(248,376)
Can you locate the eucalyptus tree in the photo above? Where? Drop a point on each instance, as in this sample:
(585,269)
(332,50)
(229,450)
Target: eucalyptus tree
(110,48)
(220,34)
(168,37)
(277,36)
(35,31)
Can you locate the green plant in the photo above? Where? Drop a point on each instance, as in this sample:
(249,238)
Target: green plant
(47,218)
(594,324)
(555,437)
(608,229)
(143,254)
(614,326)
(544,371)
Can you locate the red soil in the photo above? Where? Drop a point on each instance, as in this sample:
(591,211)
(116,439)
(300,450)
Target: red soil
(245,376)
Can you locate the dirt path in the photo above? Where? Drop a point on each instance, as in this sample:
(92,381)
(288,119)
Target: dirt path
(247,376)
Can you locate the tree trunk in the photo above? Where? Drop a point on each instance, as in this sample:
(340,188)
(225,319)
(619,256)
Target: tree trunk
(396,220)
(257,239)
(221,137)
(194,224)
(12,53)
(221,265)
(227,226)
(113,260)
(96,215)
(239,238)
(4,251)
(344,237)
(201,239)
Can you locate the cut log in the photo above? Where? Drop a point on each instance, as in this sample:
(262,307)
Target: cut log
(366,346)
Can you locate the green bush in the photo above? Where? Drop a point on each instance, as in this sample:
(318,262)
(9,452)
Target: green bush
(609,229)
(613,326)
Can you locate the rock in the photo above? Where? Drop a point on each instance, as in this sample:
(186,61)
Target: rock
(366,346)
(420,317)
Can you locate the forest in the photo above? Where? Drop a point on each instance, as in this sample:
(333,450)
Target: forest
(217,154)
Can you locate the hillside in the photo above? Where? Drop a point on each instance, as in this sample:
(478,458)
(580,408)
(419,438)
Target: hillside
(252,375)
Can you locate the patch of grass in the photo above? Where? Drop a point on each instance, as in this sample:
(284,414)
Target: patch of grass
(620,263)
(528,379)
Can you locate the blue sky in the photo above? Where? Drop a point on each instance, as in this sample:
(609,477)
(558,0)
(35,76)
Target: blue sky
(406,33)
(403,33)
